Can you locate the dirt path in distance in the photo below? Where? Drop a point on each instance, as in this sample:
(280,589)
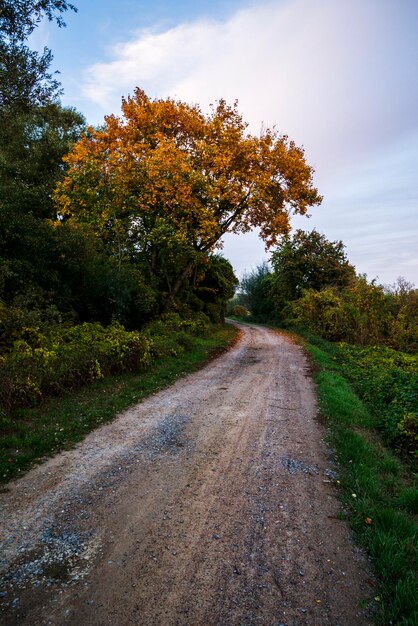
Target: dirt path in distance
(210,503)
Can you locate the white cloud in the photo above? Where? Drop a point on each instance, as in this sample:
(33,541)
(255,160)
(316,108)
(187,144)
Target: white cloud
(337,77)
(154,61)
(330,74)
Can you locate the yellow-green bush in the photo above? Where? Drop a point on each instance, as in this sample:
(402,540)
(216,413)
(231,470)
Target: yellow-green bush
(387,381)
(408,431)
(239,311)
(67,358)
(172,334)
(321,312)
(358,314)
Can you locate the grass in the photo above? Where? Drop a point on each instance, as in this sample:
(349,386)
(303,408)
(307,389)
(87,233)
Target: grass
(377,489)
(31,434)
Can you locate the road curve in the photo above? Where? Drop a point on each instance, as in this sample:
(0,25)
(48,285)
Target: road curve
(210,503)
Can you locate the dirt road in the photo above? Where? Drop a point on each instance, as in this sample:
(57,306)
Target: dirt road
(211,503)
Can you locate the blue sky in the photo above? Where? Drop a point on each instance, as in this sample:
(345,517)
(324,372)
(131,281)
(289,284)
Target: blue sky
(337,76)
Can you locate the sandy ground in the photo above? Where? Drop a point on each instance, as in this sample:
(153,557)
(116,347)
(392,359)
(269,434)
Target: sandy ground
(210,503)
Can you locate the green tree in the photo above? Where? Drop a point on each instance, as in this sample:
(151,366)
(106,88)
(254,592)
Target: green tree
(255,293)
(25,78)
(214,285)
(402,300)
(49,269)
(19,18)
(308,260)
(32,146)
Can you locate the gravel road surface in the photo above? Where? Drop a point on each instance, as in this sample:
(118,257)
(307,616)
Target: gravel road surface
(210,503)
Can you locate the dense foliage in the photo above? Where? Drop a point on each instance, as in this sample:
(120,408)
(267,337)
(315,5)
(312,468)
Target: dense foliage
(363,313)
(307,260)
(311,284)
(255,293)
(66,358)
(387,381)
(47,359)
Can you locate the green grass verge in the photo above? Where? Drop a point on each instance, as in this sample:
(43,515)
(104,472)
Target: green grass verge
(377,490)
(28,435)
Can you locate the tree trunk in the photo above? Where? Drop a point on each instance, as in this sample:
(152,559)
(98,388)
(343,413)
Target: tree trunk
(178,284)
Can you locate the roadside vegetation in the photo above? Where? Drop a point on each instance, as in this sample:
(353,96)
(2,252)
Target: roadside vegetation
(378,488)
(362,339)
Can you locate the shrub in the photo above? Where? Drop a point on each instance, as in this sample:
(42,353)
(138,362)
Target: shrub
(172,334)
(358,314)
(387,380)
(321,312)
(172,322)
(66,359)
(239,311)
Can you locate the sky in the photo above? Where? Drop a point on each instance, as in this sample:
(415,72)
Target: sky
(337,76)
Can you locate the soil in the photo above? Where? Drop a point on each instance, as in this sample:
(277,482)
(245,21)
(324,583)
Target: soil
(212,502)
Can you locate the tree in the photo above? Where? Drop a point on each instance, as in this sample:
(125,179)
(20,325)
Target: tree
(18,18)
(25,79)
(308,261)
(213,285)
(32,146)
(166,177)
(402,300)
(255,293)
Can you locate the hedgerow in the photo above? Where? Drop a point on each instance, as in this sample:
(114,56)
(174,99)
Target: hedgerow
(39,365)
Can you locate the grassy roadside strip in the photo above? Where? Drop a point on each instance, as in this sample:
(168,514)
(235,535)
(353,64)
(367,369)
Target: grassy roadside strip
(377,490)
(58,423)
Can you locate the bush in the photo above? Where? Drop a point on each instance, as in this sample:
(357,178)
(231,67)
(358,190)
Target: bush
(66,359)
(171,322)
(17,322)
(387,380)
(39,359)
(322,313)
(239,311)
(361,313)
(358,314)
(171,334)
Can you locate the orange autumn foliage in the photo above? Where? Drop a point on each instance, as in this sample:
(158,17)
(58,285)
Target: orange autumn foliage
(165,162)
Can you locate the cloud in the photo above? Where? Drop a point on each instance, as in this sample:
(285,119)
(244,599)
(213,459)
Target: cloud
(337,77)
(330,74)
(154,61)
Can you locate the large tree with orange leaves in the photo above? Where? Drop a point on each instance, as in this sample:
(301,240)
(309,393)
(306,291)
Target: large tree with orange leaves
(165,181)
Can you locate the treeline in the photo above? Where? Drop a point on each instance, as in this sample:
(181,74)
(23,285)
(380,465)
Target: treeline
(105,230)
(312,284)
